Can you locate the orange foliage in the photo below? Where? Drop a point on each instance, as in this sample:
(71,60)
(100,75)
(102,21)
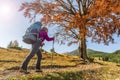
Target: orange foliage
(96,18)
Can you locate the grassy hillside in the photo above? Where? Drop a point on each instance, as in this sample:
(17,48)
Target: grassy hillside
(16,57)
(116,52)
(63,67)
(111,57)
(89,52)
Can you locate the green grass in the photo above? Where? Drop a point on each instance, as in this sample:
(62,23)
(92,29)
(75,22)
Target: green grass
(110,57)
(16,57)
(64,67)
(96,74)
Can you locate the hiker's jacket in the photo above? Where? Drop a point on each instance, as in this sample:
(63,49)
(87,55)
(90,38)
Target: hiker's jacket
(44,36)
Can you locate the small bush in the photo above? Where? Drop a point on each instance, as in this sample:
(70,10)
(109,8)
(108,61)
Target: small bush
(18,48)
(106,58)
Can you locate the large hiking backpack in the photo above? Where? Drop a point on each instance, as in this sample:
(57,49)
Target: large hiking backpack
(31,34)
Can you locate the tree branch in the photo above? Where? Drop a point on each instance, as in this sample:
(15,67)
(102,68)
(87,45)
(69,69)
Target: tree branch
(72,7)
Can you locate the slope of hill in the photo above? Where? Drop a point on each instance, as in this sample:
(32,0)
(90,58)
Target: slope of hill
(116,52)
(89,52)
(92,52)
(111,57)
(63,67)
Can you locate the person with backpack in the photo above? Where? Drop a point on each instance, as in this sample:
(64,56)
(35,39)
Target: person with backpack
(42,35)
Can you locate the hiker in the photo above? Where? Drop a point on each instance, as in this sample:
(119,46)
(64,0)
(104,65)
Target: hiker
(43,35)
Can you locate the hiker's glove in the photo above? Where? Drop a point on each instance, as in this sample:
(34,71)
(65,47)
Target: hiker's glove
(42,44)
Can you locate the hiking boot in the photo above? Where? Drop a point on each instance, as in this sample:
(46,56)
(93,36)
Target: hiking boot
(24,71)
(39,70)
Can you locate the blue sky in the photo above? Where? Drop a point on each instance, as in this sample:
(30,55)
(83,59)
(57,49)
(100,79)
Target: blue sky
(13,25)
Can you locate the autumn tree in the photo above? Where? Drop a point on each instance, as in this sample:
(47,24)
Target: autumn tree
(78,19)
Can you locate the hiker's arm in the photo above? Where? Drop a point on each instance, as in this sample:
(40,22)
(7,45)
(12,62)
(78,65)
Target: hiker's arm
(47,38)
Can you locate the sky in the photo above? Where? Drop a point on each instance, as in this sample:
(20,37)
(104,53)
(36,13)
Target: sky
(13,25)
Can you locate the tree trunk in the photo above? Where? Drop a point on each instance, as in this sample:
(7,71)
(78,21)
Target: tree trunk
(82,48)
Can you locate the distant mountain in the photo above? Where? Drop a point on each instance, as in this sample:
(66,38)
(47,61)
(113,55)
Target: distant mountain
(74,52)
(116,52)
(114,56)
(89,52)
(111,57)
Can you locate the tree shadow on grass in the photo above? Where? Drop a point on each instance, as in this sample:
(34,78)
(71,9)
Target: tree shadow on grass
(55,66)
(14,68)
(58,66)
(43,67)
(9,61)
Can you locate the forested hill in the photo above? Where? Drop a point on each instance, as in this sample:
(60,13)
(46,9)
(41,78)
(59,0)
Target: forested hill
(89,52)
(110,57)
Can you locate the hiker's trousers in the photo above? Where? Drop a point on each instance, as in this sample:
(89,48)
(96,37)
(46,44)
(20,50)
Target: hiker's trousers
(35,50)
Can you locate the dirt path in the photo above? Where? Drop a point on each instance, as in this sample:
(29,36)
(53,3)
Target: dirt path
(15,73)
